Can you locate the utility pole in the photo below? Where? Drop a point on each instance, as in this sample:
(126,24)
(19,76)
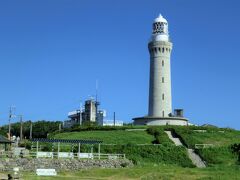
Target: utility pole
(80,114)
(114,119)
(11,115)
(30,135)
(21,127)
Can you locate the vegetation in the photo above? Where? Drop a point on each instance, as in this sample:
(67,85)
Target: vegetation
(41,129)
(110,137)
(216,136)
(220,139)
(157,157)
(236,149)
(153,172)
(159,135)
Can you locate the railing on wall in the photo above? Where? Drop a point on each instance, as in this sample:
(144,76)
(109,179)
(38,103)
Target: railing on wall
(63,155)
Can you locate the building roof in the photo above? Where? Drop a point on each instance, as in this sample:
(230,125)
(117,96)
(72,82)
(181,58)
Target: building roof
(81,141)
(4,140)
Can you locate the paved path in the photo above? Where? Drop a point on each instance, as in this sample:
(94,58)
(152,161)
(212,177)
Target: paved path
(176,141)
(197,161)
(195,158)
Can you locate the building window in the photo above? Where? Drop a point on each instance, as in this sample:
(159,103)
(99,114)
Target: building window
(159,49)
(162,96)
(162,63)
(155,50)
(163,113)
(162,79)
(162,50)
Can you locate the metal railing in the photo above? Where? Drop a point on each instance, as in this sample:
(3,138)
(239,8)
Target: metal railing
(202,146)
(62,155)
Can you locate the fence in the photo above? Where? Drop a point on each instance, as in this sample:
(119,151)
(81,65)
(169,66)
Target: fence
(201,146)
(63,155)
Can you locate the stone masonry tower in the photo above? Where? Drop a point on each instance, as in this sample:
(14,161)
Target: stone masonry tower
(160,99)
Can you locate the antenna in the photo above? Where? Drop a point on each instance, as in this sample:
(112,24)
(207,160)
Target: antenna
(96,90)
(97,103)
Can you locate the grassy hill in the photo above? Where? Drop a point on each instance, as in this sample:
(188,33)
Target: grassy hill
(137,145)
(220,140)
(162,161)
(110,137)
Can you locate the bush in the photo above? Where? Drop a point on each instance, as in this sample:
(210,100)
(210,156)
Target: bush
(236,150)
(159,154)
(159,135)
(217,155)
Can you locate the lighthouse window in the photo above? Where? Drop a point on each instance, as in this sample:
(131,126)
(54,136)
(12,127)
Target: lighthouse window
(162,79)
(162,96)
(159,49)
(155,50)
(162,63)
(163,50)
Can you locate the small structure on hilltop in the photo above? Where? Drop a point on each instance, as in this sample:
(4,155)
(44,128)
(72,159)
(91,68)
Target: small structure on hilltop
(90,114)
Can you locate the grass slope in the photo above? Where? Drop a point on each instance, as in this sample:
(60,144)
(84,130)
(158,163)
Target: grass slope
(221,139)
(110,137)
(147,172)
(215,136)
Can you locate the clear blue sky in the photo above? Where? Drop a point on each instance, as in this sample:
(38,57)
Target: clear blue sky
(52,52)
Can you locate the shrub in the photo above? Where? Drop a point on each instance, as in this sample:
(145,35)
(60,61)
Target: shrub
(236,149)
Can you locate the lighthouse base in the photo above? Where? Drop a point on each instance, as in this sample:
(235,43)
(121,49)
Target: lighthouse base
(160,121)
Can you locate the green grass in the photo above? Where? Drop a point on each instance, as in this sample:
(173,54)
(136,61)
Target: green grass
(215,136)
(110,137)
(218,155)
(148,172)
(221,139)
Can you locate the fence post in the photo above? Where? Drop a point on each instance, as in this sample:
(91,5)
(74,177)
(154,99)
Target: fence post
(79,148)
(58,148)
(99,149)
(37,150)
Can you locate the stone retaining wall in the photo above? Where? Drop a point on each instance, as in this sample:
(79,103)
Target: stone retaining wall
(26,164)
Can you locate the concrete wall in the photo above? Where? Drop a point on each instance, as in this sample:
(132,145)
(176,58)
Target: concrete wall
(60,164)
(161,122)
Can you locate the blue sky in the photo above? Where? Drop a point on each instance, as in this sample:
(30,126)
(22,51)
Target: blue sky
(52,52)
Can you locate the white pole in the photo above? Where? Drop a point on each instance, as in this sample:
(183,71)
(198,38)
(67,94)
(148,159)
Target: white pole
(58,148)
(79,148)
(37,150)
(99,146)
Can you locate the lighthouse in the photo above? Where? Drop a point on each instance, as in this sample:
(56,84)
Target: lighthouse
(160,47)
(160,95)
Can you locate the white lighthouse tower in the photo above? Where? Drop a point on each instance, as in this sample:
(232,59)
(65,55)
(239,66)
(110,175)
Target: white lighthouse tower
(160,98)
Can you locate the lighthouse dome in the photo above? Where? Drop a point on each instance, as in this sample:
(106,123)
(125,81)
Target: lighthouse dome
(160,29)
(160,18)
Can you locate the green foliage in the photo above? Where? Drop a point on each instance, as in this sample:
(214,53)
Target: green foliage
(40,128)
(158,154)
(215,136)
(220,138)
(236,149)
(159,135)
(217,155)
